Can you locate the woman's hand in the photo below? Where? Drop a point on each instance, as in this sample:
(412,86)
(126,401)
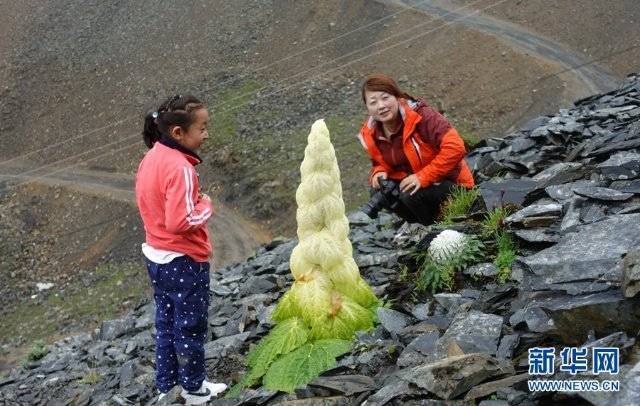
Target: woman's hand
(375,182)
(410,183)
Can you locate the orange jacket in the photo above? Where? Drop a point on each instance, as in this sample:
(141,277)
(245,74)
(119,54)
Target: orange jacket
(434,155)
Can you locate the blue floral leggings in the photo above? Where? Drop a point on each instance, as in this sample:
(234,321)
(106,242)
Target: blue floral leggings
(181,292)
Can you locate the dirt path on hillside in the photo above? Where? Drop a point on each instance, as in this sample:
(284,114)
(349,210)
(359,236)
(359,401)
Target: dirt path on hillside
(583,80)
(234,238)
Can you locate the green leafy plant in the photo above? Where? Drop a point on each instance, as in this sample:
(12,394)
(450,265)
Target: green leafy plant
(493,222)
(458,204)
(505,256)
(328,301)
(37,352)
(436,270)
(91,378)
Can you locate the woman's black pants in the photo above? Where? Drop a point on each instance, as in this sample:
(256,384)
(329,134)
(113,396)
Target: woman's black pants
(424,206)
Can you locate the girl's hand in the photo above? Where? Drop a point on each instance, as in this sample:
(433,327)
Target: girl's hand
(375,182)
(410,183)
(204,196)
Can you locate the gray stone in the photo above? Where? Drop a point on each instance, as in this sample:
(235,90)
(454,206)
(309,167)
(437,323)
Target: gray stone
(575,316)
(390,391)
(220,290)
(626,186)
(525,216)
(421,311)
(571,219)
(591,253)
(562,172)
(453,376)
(507,346)
(222,346)
(565,191)
(622,165)
(631,273)
(536,320)
(358,218)
(379,259)
(510,191)
(451,301)
(255,285)
(630,388)
(488,388)
(419,350)
(537,235)
(486,269)
(393,321)
(472,332)
(345,384)
(112,329)
(601,193)
(591,213)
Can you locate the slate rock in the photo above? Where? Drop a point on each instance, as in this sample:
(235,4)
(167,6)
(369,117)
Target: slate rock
(507,346)
(255,285)
(472,332)
(562,172)
(524,217)
(510,191)
(420,311)
(565,191)
(112,329)
(345,384)
(451,301)
(630,388)
(593,212)
(601,193)
(223,346)
(453,376)
(603,312)
(591,253)
(622,165)
(631,273)
(392,320)
(420,350)
(486,269)
(536,235)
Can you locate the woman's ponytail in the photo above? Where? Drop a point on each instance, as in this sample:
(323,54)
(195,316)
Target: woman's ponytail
(151,132)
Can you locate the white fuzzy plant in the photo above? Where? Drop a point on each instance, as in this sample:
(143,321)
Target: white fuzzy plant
(448,253)
(328,301)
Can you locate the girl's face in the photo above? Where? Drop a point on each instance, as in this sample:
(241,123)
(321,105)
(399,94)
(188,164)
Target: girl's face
(382,106)
(196,133)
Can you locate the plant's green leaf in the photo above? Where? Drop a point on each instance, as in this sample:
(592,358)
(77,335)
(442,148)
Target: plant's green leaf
(304,364)
(350,318)
(285,337)
(285,309)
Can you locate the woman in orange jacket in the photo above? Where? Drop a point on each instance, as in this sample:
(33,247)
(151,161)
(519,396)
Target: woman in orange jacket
(411,143)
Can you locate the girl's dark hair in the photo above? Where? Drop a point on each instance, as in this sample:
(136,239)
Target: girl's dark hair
(176,110)
(379,82)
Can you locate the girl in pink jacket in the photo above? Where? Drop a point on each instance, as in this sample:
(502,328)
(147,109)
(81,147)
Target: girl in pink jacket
(177,247)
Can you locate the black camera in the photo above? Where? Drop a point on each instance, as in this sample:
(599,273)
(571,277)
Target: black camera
(387,197)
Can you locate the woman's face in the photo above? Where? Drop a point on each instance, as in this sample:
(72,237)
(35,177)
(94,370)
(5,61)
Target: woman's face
(382,106)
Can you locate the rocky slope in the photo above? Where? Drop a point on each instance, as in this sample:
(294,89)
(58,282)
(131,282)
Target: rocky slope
(575,176)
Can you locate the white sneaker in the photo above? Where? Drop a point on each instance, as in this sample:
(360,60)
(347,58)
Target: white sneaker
(204,394)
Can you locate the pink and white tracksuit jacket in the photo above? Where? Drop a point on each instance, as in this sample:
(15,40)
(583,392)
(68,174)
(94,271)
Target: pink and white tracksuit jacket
(174,215)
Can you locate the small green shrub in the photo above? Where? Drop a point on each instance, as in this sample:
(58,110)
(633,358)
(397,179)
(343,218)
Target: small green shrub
(436,275)
(91,378)
(37,352)
(505,256)
(458,204)
(493,222)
